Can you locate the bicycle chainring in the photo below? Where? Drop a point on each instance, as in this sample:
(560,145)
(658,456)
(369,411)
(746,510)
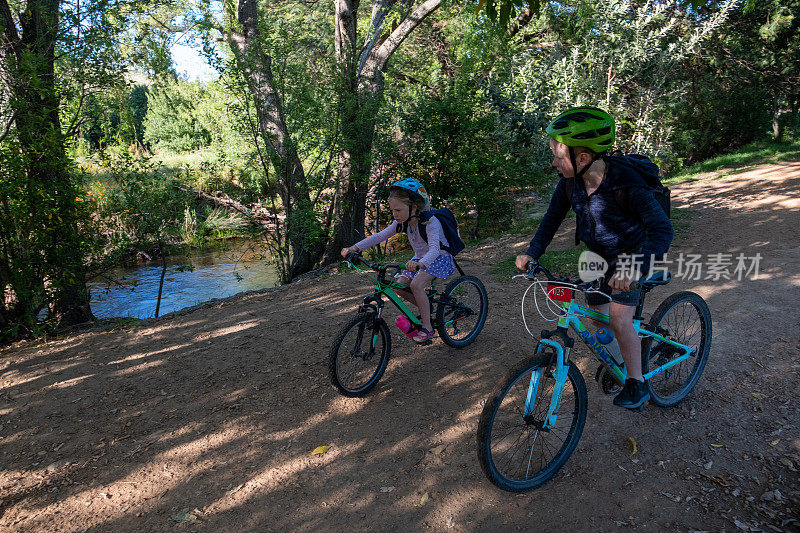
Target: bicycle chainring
(606,382)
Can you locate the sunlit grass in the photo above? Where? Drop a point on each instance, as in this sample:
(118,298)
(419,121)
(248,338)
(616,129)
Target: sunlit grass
(559,262)
(758,152)
(185,159)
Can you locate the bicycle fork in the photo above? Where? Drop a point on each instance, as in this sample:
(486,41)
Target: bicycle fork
(559,374)
(375,306)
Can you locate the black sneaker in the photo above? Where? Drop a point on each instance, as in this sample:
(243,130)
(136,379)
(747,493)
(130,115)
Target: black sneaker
(633,394)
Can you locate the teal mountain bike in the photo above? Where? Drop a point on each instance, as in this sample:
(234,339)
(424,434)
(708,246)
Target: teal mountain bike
(534,417)
(360,352)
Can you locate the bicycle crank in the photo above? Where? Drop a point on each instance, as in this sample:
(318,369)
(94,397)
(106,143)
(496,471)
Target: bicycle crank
(607,383)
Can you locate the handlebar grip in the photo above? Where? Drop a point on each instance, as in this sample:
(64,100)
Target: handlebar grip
(634,286)
(353,257)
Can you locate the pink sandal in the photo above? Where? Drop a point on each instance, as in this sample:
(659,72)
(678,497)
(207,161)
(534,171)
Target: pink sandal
(424,335)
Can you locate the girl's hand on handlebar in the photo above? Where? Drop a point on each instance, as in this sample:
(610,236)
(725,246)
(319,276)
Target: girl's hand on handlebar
(349,250)
(413,266)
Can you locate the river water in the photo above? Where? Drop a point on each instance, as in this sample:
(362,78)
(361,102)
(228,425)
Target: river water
(133,292)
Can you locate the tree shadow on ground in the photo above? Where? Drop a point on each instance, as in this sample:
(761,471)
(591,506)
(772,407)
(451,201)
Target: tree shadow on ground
(217,412)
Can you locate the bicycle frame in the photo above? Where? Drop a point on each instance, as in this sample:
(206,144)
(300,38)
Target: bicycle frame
(387,287)
(573,312)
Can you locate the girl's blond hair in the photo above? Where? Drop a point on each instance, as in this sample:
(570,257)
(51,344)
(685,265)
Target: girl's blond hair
(405,197)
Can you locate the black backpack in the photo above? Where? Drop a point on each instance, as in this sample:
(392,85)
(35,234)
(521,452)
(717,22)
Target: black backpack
(645,168)
(449,226)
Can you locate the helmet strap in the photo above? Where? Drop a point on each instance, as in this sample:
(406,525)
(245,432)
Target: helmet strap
(573,160)
(410,215)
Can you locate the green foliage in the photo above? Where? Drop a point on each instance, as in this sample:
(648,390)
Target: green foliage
(136,209)
(172,121)
(626,57)
(439,127)
(449,146)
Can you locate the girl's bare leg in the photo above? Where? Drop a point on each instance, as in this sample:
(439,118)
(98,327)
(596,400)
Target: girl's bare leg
(418,285)
(405,294)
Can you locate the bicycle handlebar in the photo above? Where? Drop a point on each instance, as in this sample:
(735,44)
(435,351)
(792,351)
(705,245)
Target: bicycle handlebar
(356,257)
(534,267)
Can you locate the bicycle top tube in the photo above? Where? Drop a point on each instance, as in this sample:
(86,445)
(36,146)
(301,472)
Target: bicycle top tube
(381,268)
(382,284)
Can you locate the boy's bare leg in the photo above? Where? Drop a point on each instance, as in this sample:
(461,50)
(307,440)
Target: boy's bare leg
(602,308)
(630,345)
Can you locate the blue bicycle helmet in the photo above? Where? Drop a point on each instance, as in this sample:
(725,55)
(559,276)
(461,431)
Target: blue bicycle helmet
(414,187)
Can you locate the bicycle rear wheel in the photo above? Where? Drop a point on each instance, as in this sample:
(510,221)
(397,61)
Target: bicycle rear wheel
(515,451)
(465,306)
(683,317)
(359,355)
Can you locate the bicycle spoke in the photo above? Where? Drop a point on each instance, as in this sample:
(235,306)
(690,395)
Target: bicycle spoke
(682,322)
(522,450)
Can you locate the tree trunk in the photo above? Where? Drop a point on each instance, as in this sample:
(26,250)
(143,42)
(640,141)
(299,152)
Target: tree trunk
(361,78)
(776,119)
(27,61)
(306,250)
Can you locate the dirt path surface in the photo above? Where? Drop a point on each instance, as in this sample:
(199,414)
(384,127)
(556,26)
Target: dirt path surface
(207,420)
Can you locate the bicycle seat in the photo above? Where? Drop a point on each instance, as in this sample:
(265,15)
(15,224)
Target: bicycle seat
(657,278)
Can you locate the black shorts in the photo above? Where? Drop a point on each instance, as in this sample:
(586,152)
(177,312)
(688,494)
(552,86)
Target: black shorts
(630,298)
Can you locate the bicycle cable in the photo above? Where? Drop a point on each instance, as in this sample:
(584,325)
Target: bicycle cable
(555,308)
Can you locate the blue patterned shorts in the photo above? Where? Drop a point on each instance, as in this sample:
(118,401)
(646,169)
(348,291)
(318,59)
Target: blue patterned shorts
(441,267)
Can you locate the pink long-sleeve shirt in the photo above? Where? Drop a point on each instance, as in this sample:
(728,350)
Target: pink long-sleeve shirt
(424,252)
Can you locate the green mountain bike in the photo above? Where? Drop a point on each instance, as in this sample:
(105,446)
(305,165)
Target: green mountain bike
(361,349)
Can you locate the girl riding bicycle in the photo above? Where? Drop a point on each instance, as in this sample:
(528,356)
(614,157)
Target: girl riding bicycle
(407,199)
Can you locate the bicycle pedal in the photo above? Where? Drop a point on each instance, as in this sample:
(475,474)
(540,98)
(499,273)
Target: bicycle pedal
(639,409)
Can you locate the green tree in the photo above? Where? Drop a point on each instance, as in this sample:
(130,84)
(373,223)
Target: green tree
(172,121)
(45,195)
(50,52)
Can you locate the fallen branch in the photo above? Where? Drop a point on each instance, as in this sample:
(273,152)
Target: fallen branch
(256,215)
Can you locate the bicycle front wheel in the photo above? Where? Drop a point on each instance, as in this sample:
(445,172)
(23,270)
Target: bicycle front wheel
(462,312)
(516,451)
(683,317)
(359,355)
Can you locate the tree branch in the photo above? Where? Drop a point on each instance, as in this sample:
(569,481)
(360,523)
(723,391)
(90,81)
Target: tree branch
(8,126)
(7,21)
(376,62)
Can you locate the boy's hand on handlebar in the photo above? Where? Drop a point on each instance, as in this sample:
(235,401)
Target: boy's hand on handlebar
(413,266)
(621,283)
(522,262)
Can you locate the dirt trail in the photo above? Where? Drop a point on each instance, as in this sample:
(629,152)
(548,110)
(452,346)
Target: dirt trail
(207,420)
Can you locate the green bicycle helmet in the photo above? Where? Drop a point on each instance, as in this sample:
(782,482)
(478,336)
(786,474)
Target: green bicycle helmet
(586,126)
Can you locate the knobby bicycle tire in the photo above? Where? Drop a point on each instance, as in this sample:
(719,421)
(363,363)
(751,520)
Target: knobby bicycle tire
(493,460)
(685,318)
(342,354)
(451,333)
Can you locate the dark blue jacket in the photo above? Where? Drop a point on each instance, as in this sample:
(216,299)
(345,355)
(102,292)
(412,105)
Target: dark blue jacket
(642,227)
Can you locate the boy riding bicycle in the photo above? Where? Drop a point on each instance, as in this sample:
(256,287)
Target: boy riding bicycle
(592,184)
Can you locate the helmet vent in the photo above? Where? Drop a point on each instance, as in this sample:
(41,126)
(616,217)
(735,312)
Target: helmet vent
(581,116)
